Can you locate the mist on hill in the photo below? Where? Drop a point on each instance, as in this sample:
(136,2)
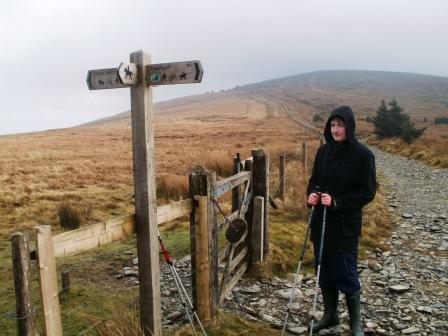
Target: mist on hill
(422,96)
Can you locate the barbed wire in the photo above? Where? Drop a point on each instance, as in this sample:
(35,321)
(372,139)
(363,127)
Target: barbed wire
(274,193)
(12,315)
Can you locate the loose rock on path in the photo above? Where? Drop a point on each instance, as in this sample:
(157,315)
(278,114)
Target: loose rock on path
(404,287)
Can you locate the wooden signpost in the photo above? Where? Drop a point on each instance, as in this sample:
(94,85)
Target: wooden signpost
(140,75)
(126,75)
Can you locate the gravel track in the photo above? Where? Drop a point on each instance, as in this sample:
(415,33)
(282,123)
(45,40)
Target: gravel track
(405,287)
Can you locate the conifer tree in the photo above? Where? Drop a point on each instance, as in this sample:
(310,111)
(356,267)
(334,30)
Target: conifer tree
(393,122)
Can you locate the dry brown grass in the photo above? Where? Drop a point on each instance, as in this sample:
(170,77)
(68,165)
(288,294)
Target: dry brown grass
(171,187)
(122,323)
(220,161)
(69,216)
(94,164)
(431,148)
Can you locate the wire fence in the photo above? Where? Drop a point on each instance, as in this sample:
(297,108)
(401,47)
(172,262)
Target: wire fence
(274,172)
(8,313)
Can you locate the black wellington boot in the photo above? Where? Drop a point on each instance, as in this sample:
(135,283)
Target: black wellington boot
(354,311)
(330,317)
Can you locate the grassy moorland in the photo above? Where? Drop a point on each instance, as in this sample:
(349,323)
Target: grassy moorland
(91,167)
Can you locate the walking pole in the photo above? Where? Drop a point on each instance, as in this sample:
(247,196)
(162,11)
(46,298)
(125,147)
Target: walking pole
(302,254)
(180,288)
(189,303)
(319,261)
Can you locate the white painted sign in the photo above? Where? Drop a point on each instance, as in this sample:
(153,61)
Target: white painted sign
(128,73)
(174,73)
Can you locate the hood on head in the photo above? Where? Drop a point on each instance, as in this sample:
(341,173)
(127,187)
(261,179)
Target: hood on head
(346,114)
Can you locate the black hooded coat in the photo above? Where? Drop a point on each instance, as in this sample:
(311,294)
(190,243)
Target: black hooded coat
(347,172)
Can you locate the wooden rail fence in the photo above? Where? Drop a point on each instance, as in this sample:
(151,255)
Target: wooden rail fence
(205,258)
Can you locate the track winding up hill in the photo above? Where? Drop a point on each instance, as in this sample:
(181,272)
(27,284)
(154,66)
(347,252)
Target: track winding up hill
(423,96)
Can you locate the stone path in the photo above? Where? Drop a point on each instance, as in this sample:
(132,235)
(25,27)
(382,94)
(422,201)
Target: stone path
(405,287)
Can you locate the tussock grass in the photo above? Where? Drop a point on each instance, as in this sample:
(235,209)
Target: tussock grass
(69,216)
(172,186)
(219,161)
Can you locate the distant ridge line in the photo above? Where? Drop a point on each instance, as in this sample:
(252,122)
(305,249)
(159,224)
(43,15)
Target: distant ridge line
(420,94)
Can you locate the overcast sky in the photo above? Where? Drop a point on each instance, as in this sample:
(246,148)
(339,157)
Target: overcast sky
(47,47)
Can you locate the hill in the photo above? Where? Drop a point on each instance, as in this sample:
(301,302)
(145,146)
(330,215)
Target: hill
(423,96)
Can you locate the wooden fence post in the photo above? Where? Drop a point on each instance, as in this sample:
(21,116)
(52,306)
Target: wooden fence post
(248,165)
(257,230)
(260,179)
(48,280)
(282,177)
(25,310)
(204,245)
(142,116)
(236,192)
(304,157)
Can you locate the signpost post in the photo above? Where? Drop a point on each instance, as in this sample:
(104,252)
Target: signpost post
(139,75)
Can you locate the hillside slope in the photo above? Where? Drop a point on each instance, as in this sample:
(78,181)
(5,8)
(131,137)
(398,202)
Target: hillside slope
(422,96)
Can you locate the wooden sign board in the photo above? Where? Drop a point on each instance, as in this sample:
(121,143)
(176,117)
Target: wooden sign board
(174,73)
(105,79)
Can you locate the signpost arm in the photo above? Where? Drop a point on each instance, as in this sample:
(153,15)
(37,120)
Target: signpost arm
(145,198)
